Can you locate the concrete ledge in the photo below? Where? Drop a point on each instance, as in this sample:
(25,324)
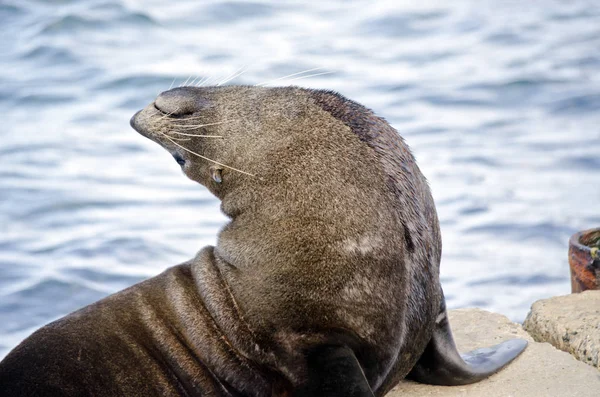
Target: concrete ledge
(541,370)
(570,323)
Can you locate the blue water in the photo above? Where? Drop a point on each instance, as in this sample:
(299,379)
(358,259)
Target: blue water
(500,102)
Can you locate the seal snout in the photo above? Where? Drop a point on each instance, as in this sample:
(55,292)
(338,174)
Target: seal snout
(181,101)
(132,121)
(139,123)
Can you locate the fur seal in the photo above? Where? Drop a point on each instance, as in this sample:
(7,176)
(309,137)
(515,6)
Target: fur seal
(324,282)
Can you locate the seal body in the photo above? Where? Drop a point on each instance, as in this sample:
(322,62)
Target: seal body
(324,282)
(156,338)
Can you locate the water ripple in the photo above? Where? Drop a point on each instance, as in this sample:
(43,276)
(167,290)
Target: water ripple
(499,102)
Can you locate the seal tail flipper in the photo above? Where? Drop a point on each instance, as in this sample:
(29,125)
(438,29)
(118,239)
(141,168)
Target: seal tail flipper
(441,364)
(334,371)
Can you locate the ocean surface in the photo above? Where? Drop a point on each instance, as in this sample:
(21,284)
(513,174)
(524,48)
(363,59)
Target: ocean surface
(499,100)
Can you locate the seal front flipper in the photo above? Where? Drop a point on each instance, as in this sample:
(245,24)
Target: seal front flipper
(334,371)
(441,364)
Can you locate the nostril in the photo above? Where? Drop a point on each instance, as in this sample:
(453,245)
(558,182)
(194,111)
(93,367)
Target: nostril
(157,108)
(181,101)
(163,109)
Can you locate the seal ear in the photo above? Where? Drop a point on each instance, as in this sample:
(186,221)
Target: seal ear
(334,371)
(441,364)
(216,173)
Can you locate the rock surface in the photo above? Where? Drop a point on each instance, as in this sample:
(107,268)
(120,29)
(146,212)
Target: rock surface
(570,323)
(541,370)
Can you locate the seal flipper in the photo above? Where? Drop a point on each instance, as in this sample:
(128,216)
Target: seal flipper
(441,364)
(334,371)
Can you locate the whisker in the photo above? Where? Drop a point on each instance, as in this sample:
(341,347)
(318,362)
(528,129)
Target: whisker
(289,75)
(168,114)
(186,81)
(232,74)
(235,74)
(193,81)
(202,81)
(189,127)
(310,75)
(181,139)
(196,118)
(208,79)
(196,135)
(195,126)
(173,82)
(234,77)
(206,158)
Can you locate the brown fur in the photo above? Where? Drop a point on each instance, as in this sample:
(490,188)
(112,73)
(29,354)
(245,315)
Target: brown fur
(335,239)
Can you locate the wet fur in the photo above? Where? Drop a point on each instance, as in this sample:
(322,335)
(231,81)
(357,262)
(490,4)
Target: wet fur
(334,241)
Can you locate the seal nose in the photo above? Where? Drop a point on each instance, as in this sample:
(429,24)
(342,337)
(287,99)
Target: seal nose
(181,101)
(132,120)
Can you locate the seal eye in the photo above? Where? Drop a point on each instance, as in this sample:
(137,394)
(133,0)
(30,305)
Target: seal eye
(180,160)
